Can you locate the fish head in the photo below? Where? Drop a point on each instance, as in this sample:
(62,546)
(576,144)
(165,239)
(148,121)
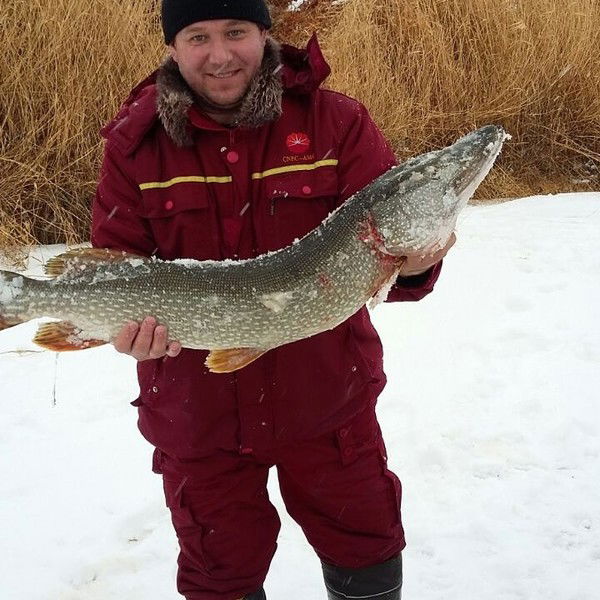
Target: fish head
(417,203)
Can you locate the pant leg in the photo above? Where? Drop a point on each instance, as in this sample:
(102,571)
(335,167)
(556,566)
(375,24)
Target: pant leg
(260,595)
(225,524)
(339,490)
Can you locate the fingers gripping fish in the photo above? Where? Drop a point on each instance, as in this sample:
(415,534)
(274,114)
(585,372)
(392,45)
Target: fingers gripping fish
(241,309)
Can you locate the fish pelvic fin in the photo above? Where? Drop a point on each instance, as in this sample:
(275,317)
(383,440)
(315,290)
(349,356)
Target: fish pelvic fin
(232,359)
(63,336)
(73,260)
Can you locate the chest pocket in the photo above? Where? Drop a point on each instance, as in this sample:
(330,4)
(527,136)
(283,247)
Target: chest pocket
(298,202)
(182,220)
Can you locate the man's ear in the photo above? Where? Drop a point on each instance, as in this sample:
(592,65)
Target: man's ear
(172,51)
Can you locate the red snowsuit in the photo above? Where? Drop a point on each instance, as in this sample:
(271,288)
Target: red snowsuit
(237,193)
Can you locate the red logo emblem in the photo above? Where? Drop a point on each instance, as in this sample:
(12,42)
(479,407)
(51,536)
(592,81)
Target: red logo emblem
(298,143)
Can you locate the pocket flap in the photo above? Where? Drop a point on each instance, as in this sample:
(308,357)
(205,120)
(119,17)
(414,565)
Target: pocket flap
(315,183)
(164,203)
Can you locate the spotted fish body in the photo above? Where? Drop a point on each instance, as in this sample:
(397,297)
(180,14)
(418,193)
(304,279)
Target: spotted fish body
(258,304)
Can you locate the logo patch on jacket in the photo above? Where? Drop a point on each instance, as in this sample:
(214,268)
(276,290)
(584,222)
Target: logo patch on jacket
(298,143)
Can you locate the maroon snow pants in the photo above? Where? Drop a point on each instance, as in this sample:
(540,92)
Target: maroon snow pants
(336,487)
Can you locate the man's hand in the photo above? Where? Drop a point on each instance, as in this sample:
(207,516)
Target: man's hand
(146,341)
(415,264)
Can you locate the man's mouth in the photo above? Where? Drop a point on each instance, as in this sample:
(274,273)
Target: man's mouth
(225,74)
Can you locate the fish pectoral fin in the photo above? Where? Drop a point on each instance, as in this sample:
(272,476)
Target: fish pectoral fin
(62,336)
(72,259)
(232,359)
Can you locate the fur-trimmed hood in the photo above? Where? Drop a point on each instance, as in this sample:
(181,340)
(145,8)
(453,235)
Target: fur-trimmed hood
(261,104)
(165,96)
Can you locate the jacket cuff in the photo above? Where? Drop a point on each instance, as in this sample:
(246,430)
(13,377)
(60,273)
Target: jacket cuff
(407,289)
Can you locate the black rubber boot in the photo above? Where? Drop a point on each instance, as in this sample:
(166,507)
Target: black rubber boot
(378,582)
(260,595)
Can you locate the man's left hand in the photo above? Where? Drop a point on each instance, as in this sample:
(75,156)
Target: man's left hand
(416,264)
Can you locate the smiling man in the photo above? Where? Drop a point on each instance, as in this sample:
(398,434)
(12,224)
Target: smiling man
(231,149)
(218,60)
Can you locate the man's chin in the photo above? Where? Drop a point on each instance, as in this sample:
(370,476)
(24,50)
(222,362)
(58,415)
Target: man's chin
(226,103)
(222,101)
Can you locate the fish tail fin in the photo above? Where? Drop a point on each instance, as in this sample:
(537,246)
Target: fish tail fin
(11,286)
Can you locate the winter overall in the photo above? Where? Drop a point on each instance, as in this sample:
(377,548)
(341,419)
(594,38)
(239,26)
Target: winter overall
(176,184)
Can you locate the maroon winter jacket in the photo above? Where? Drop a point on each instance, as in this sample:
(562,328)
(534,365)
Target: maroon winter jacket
(237,193)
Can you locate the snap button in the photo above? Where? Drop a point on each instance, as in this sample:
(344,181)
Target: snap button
(343,433)
(348,452)
(155,389)
(169,204)
(306,189)
(233,156)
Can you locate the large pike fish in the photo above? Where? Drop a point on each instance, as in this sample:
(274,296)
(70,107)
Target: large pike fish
(241,309)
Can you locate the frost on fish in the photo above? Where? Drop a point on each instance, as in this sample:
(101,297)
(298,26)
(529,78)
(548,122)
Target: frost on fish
(11,286)
(11,289)
(384,290)
(276,301)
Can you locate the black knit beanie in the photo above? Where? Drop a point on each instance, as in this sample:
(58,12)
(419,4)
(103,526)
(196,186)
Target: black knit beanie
(177,14)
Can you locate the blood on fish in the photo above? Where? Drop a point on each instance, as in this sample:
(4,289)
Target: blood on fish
(325,281)
(371,236)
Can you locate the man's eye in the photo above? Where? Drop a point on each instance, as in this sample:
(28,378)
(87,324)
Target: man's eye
(198,38)
(236,33)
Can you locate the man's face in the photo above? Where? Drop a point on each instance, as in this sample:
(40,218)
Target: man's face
(219,58)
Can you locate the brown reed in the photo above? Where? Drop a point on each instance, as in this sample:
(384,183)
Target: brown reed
(431,69)
(67,66)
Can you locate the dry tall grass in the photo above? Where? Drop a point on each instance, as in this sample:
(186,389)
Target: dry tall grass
(67,65)
(427,69)
(432,68)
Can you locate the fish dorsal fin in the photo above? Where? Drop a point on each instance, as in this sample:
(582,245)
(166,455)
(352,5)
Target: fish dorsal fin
(72,261)
(62,336)
(232,359)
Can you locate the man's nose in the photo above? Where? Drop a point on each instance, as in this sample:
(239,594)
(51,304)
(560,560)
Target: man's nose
(219,53)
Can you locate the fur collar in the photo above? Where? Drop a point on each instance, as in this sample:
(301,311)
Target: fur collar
(261,104)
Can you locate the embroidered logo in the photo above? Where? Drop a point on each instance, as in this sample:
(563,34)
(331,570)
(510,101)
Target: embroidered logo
(298,143)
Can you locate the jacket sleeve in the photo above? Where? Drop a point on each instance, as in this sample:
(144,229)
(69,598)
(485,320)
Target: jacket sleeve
(116,222)
(364,155)
(411,289)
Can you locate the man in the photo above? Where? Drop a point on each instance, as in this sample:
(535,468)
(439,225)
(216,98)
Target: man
(231,150)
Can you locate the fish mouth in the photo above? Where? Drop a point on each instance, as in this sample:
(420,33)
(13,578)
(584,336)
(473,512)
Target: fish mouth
(477,152)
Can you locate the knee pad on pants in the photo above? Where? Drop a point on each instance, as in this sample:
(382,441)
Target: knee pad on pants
(380,582)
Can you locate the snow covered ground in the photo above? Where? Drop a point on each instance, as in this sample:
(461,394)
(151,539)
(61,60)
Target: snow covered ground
(491,418)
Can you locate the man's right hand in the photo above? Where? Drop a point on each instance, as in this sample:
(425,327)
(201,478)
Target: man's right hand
(146,341)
